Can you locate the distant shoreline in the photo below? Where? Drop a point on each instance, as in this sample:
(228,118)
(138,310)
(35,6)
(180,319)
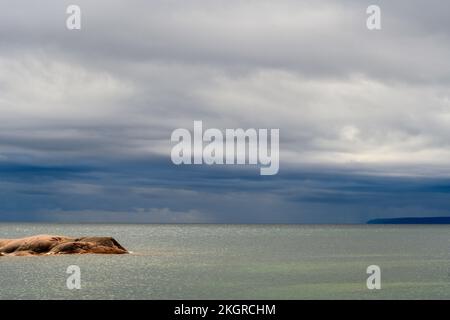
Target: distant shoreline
(410,220)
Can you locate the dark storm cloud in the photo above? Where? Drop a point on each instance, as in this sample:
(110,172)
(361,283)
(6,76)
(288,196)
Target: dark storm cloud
(155,192)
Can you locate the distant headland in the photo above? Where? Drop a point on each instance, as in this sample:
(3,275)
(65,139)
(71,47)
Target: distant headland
(56,245)
(411,220)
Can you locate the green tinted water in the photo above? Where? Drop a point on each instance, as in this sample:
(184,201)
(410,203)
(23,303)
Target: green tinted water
(237,262)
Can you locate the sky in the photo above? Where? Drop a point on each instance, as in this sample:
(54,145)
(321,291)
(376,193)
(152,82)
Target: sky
(87,115)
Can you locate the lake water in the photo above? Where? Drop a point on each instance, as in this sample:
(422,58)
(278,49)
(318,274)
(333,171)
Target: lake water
(237,262)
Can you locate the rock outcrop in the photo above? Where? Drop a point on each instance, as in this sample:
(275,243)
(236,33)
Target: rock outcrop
(46,244)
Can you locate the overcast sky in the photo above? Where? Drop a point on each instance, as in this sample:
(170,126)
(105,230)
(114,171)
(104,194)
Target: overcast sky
(86,115)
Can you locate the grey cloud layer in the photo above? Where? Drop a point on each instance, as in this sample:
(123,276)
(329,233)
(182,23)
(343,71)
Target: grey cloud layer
(341,95)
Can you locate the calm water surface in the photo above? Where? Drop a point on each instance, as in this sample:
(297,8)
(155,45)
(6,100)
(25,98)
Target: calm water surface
(237,262)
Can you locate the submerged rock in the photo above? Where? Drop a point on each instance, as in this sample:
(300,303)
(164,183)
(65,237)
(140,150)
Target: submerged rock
(46,244)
